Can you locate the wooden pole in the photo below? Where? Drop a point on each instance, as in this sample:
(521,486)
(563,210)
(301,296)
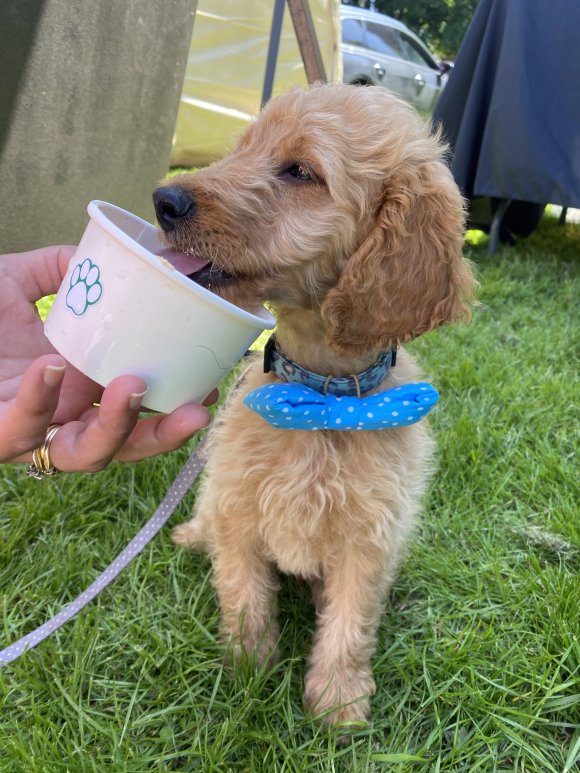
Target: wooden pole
(307,40)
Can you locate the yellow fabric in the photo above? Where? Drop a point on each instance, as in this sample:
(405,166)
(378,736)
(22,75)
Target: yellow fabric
(226,67)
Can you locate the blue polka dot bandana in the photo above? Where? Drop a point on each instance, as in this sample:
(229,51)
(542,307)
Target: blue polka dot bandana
(295,406)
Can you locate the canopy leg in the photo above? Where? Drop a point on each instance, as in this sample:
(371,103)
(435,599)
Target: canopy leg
(498,216)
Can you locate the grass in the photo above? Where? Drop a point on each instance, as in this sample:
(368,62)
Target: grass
(478,663)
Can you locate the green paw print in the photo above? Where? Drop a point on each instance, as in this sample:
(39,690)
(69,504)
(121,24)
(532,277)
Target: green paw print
(85,288)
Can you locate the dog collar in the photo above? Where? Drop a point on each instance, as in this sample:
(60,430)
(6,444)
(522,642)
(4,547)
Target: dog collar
(341,386)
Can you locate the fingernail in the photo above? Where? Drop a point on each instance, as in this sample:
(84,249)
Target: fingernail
(53,375)
(135,399)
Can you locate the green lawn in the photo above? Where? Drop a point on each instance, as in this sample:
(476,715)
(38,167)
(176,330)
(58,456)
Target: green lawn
(478,664)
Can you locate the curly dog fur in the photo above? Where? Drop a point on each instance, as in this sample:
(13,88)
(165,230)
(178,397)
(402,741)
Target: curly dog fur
(336,207)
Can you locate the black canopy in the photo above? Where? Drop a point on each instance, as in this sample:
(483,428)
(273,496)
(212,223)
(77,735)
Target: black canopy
(511,108)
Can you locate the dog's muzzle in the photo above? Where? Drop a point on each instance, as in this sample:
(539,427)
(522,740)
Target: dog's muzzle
(173,205)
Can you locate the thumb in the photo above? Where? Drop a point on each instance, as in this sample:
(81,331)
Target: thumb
(40,272)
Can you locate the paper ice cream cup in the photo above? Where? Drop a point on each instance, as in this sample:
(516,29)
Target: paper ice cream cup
(122,310)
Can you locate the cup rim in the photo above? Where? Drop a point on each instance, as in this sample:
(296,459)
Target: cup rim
(97,210)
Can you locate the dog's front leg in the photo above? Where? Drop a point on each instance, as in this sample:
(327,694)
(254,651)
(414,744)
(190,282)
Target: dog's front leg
(246,585)
(339,682)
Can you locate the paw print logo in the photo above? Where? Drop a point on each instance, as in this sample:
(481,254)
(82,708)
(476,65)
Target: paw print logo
(85,288)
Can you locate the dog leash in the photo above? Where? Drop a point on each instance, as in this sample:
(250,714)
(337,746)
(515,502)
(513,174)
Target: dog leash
(180,486)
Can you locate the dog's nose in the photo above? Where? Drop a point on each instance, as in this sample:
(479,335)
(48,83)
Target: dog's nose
(171,206)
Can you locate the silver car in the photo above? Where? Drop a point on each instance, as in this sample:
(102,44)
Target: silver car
(381,51)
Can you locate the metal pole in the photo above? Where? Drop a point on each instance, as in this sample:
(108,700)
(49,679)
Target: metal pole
(273,46)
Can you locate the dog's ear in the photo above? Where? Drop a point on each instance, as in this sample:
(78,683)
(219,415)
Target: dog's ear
(408,276)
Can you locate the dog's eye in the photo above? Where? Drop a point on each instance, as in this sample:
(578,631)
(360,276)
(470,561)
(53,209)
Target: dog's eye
(298,172)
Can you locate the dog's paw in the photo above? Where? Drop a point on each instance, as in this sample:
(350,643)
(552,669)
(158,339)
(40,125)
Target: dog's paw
(85,288)
(190,535)
(257,649)
(345,704)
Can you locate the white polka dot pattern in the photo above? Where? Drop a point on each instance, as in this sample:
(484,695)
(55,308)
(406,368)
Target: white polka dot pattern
(297,406)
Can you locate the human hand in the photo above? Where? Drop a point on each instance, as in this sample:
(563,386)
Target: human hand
(38,388)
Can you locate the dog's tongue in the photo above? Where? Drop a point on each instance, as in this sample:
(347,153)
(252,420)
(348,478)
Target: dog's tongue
(186,264)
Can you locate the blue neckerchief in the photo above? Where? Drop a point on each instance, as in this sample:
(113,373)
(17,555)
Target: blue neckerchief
(296,406)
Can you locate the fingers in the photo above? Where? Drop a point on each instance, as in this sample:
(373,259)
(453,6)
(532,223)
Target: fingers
(24,422)
(160,434)
(115,431)
(90,444)
(111,430)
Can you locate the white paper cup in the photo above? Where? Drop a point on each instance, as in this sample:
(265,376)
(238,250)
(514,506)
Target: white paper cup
(121,310)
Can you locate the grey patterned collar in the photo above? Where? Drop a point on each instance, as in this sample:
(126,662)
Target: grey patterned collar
(341,386)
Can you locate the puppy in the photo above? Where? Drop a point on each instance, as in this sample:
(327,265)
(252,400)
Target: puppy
(337,209)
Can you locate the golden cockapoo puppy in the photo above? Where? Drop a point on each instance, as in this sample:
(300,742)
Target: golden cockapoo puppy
(336,207)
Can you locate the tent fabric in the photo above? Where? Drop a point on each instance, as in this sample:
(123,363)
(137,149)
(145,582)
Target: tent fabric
(226,67)
(511,108)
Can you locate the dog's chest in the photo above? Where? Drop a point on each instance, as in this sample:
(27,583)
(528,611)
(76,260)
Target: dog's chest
(300,499)
(305,493)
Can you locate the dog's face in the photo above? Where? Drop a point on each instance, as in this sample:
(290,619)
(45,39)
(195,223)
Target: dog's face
(276,219)
(335,198)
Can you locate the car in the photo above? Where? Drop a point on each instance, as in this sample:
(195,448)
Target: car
(378,50)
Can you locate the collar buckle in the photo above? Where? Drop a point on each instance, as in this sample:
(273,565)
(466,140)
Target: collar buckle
(268,349)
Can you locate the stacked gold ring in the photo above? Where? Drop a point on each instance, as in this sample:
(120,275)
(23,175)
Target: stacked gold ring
(41,462)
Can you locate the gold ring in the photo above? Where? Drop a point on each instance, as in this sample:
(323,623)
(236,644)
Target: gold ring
(41,462)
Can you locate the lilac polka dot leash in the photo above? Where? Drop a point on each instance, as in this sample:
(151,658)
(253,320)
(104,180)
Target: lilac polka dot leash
(180,486)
